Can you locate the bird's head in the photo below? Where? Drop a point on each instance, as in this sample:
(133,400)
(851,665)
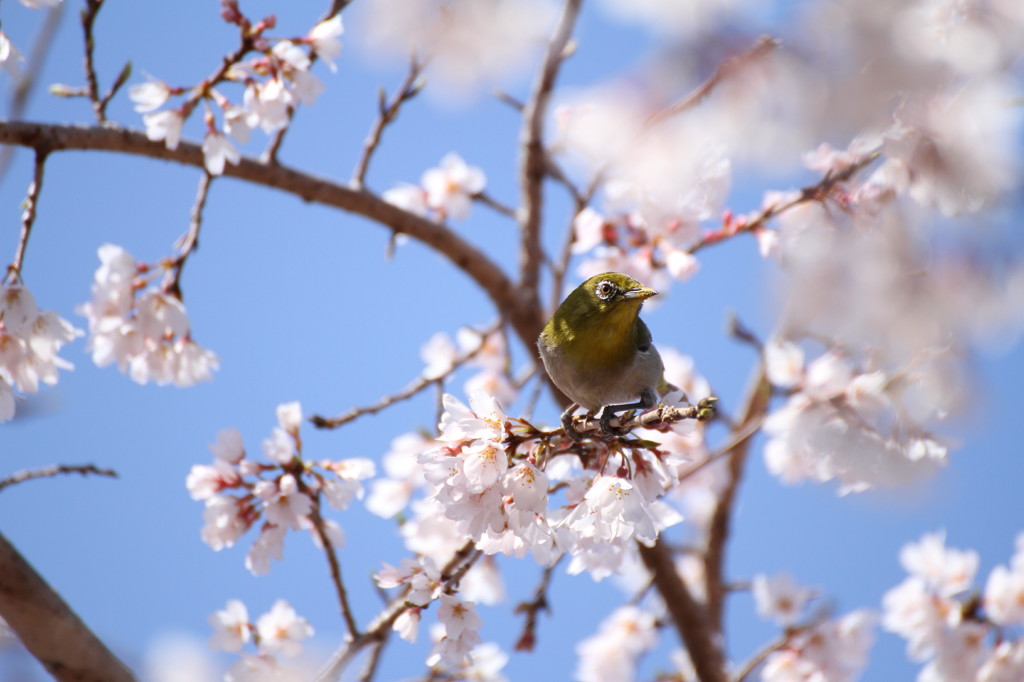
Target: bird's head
(610,301)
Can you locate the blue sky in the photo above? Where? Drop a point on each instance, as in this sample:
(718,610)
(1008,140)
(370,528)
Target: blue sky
(301,303)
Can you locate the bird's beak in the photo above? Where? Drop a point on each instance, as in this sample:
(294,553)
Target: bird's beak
(641,293)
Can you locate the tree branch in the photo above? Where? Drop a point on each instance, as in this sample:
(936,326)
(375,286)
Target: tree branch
(49,629)
(689,618)
(754,407)
(525,318)
(55,470)
(533,162)
(762,47)
(28,215)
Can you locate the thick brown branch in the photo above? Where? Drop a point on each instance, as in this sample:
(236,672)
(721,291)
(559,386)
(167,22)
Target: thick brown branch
(533,163)
(48,627)
(525,318)
(687,615)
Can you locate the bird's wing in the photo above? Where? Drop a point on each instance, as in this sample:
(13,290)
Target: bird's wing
(643,336)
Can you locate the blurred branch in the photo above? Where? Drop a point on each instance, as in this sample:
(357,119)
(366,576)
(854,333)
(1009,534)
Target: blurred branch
(55,470)
(89,14)
(820,191)
(494,204)
(754,408)
(30,77)
(388,112)
(533,160)
(28,214)
(525,318)
(335,565)
(763,46)
(532,608)
(688,616)
(414,388)
(49,629)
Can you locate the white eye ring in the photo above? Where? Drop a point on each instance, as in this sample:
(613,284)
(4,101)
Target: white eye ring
(604,290)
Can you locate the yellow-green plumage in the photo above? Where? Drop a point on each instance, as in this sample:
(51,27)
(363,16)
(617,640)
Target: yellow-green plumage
(598,351)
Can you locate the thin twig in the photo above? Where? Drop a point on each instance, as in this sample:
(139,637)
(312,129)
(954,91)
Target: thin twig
(748,668)
(532,609)
(508,99)
(335,565)
(735,439)
(410,87)
(819,191)
(378,628)
(413,389)
(92,9)
(763,46)
(189,243)
(269,155)
(30,77)
(495,205)
(660,416)
(28,215)
(370,668)
(55,470)
(533,161)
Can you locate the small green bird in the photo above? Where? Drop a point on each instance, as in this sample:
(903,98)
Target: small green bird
(598,351)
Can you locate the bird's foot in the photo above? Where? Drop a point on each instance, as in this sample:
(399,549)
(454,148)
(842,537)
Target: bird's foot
(569,424)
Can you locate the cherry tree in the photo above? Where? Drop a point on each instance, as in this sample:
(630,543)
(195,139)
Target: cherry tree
(836,181)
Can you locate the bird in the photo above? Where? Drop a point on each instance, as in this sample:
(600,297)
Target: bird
(599,353)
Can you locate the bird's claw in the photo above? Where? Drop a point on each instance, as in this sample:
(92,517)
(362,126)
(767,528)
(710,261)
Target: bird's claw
(569,424)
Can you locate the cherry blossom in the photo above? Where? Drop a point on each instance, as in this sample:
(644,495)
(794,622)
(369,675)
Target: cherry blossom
(145,331)
(324,39)
(164,125)
(10,57)
(461,623)
(779,598)
(834,650)
(218,150)
(451,186)
(281,630)
(613,652)
(231,628)
(149,96)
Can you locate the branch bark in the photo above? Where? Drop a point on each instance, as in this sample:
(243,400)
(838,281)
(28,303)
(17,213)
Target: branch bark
(533,163)
(49,629)
(525,318)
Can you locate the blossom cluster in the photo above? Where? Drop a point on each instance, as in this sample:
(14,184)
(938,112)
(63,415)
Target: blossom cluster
(137,324)
(612,653)
(834,649)
(279,632)
(958,632)
(444,191)
(275,81)
(284,492)
(29,342)
(842,422)
(662,182)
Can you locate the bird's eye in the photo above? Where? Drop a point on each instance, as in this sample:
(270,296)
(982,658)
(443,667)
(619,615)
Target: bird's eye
(605,290)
